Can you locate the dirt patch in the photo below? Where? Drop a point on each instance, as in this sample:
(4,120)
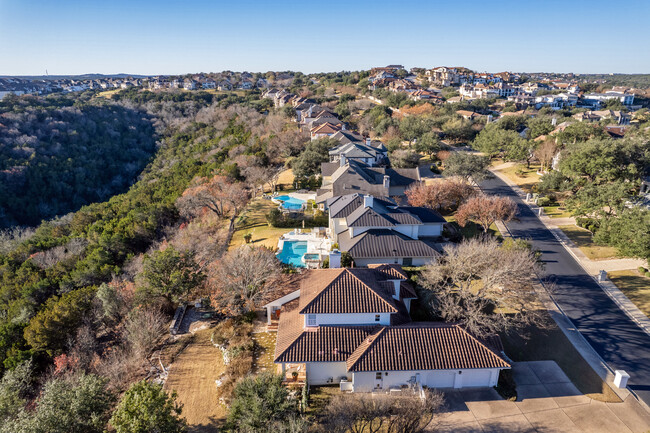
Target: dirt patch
(192,376)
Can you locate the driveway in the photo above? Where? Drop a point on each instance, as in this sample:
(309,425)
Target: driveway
(612,334)
(547,402)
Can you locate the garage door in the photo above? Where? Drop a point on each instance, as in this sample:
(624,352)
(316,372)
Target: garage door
(476,378)
(440,379)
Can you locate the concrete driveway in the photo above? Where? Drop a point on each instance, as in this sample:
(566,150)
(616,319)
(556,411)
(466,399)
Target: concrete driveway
(547,402)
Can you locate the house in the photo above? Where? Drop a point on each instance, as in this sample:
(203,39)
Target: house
(323,130)
(376,230)
(189,85)
(349,177)
(556,102)
(597,99)
(366,153)
(352,327)
(224,85)
(245,84)
(620,117)
(209,84)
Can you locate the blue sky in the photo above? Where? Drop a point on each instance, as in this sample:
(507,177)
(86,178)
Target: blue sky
(176,37)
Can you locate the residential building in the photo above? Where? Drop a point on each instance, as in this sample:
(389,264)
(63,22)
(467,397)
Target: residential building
(348,177)
(556,102)
(376,230)
(597,99)
(368,153)
(352,327)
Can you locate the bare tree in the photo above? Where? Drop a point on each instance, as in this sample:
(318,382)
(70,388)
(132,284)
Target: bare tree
(485,210)
(219,195)
(445,194)
(545,154)
(141,330)
(368,413)
(241,279)
(484,286)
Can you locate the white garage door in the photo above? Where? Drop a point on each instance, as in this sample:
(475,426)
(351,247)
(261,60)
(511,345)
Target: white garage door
(476,378)
(440,379)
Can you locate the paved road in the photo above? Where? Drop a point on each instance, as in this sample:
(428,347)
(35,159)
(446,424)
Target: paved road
(616,338)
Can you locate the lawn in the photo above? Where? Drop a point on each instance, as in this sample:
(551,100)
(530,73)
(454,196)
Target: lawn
(471,229)
(107,93)
(253,220)
(583,239)
(264,351)
(635,286)
(524,177)
(557,211)
(552,344)
(192,376)
(286,179)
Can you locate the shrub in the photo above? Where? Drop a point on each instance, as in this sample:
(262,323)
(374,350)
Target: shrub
(642,270)
(544,201)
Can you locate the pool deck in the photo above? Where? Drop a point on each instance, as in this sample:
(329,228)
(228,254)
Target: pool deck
(316,244)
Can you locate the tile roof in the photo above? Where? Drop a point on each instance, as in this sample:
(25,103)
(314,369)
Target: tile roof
(320,344)
(422,347)
(340,291)
(391,272)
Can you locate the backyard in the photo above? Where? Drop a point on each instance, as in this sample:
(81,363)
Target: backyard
(583,239)
(635,286)
(192,375)
(253,220)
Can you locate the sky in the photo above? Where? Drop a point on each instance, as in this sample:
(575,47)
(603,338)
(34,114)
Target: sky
(147,37)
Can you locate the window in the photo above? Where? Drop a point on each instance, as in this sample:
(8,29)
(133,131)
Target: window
(407,261)
(377,317)
(378,375)
(311,320)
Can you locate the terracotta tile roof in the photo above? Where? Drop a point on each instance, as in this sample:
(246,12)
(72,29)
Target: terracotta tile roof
(341,291)
(422,347)
(320,344)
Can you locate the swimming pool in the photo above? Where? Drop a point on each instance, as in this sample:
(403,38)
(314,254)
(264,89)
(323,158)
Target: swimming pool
(290,203)
(292,252)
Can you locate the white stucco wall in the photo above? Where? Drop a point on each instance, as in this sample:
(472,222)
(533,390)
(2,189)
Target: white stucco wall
(318,373)
(351,319)
(366,381)
(408,230)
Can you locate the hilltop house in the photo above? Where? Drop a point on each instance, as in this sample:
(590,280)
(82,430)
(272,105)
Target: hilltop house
(350,176)
(352,327)
(376,230)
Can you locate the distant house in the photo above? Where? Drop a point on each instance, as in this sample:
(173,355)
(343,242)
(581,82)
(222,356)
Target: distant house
(351,327)
(224,85)
(556,102)
(620,117)
(209,84)
(323,130)
(597,99)
(246,85)
(189,85)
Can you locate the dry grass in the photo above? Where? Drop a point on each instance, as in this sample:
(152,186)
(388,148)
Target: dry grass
(286,178)
(192,376)
(635,286)
(524,177)
(583,239)
(552,344)
(264,351)
(253,220)
(107,93)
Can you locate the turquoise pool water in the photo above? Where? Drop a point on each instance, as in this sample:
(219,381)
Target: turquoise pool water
(292,252)
(290,203)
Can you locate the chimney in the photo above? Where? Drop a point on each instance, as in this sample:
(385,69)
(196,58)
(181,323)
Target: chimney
(342,160)
(368,201)
(554,121)
(386,181)
(335,259)
(368,141)
(489,118)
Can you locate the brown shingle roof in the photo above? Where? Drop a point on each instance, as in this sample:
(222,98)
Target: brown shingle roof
(422,347)
(340,291)
(321,344)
